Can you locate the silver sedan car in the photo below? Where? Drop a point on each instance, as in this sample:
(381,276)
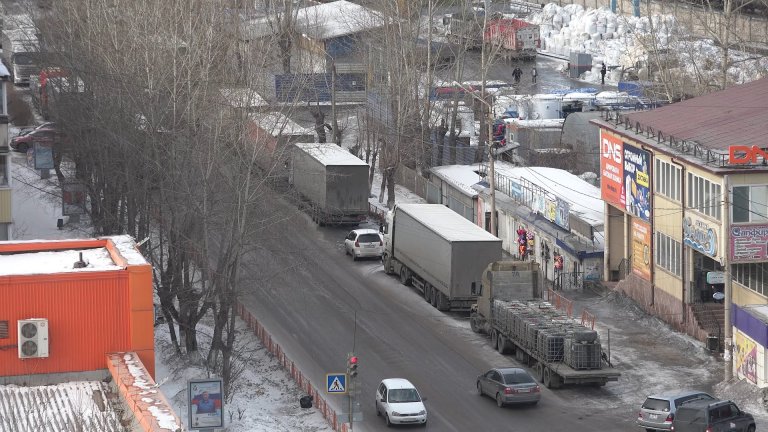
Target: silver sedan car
(509,386)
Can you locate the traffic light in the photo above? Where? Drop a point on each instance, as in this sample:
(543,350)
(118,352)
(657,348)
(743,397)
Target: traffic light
(352,366)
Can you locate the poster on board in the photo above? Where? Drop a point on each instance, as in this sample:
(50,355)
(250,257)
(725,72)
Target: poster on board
(206,403)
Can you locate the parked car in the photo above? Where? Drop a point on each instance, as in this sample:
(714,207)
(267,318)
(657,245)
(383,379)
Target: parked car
(712,416)
(362,243)
(45,132)
(400,403)
(509,386)
(658,411)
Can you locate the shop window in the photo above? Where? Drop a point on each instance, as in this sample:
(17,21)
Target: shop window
(668,253)
(704,196)
(750,204)
(4,172)
(3,329)
(752,276)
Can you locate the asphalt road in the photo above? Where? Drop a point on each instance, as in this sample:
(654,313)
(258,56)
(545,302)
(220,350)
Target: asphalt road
(320,305)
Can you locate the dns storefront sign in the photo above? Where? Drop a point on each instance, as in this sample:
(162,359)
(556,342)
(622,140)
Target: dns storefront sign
(625,176)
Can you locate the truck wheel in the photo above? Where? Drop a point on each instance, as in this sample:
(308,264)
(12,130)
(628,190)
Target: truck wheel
(433,297)
(387,263)
(539,369)
(547,377)
(443,304)
(427,292)
(494,338)
(473,324)
(404,276)
(500,344)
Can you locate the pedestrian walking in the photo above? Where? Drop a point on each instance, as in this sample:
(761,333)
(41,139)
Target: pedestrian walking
(517,73)
(534,74)
(603,70)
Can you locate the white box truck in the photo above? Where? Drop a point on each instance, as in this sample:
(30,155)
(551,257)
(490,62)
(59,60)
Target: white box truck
(439,252)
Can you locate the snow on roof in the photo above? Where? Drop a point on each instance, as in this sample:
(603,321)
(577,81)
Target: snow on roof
(242,97)
(127,248)
(330,154)
(335,19)
(277,123)
(62,261)
(584,198)
(446,222)
(538,124)
(460,176)
(51,408)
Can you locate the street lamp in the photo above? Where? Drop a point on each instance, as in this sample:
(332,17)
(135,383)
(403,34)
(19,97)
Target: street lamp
(489,140)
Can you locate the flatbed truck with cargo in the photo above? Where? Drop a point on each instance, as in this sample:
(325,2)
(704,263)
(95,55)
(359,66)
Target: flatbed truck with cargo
(560,350)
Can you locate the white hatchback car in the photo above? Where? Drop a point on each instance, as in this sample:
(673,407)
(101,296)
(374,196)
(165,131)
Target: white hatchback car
(364,243)
(400,403)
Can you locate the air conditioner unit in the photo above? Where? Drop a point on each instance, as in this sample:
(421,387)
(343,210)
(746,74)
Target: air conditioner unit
(33,338)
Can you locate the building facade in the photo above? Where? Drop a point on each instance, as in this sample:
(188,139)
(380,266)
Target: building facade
(68,304)
(686,215)
(6,214)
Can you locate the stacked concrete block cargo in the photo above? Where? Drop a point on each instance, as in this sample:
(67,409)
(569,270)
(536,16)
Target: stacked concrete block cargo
(549,333)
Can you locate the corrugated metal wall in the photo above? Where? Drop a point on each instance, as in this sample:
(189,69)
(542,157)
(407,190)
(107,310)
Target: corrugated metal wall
(88,315)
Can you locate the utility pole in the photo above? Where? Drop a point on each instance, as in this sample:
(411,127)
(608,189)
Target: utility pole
(489,139)
(728,339)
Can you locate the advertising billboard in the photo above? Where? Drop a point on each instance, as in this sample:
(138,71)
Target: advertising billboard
(746,357)
(701,235)
(749,243)
(611,169)
(641,249)
(206,404)
(637,182)
(625,176)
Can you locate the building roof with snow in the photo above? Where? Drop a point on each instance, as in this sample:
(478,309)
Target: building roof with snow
(330,154)
(37,256)
(242,98)
(462,177)
(336,19)
(276,123)
(80,405)
(584,198)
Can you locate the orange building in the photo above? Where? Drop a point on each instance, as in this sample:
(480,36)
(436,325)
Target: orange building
(67,304)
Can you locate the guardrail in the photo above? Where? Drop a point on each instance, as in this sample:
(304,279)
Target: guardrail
(560,302)
(298,376)
(376,212)
(588,319)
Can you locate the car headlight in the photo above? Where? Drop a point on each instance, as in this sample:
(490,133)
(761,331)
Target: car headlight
(395,414)
(422,412)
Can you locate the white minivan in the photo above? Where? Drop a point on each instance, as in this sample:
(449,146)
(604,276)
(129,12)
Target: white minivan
(400,403)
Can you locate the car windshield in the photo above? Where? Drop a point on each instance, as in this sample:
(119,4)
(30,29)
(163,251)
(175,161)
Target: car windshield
(403,396)
(369,238)
(518,377)
(656,404)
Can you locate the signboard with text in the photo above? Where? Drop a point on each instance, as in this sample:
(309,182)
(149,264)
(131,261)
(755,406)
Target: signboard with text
(749,243)
(611,169)
(206,404)
(625,176)
(641,249)
(637,182)
(72,198)
(701,235)
(43,155)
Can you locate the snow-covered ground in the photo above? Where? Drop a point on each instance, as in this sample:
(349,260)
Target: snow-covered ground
(264,399)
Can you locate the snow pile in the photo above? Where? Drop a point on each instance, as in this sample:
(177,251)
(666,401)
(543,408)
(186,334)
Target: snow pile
(623,42)
(610,38)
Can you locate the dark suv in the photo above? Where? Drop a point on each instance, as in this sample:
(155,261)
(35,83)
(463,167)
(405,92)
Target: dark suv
(712,416)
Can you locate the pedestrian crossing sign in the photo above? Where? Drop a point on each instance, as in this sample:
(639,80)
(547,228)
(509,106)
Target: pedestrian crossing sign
(337,383)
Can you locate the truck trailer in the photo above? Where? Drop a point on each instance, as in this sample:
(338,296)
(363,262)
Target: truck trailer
(439,252)
(333,182)
(559,349)
(514,38)
(21,52)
